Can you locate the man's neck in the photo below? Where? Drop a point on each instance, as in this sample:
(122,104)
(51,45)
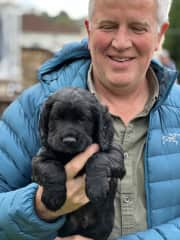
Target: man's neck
(125,104)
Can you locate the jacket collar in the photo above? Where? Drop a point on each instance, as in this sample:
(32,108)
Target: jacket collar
(166,78)
(69,53)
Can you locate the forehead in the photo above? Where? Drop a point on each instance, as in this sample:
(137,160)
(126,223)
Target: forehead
(119,7)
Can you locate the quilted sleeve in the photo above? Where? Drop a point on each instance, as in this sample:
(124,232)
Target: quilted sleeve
(18,219)
(169,231)
(19,142)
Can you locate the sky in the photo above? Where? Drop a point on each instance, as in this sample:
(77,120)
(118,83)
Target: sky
(75,8)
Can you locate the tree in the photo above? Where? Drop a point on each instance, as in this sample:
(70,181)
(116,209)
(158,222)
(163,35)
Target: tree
(172,39)
(63,17)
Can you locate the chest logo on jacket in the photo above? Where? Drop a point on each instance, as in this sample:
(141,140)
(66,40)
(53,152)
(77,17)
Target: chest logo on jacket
(171,138)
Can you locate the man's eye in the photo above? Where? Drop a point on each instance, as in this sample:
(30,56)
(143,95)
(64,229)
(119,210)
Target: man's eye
(107,27)
(139,30)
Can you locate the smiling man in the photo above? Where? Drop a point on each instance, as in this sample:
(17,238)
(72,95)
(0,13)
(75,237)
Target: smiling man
(116,65)
(123,36)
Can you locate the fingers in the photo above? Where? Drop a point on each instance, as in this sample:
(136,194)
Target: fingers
(76,196)
(76,190)
(78,162)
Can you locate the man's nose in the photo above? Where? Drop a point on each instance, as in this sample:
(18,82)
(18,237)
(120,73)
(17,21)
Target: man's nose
(122,39)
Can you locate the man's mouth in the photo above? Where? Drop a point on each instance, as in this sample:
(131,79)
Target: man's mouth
(124,59)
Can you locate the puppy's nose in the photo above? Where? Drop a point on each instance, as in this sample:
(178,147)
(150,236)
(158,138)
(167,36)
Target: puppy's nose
(69,140)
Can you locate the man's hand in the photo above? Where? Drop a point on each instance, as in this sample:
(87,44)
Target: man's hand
(76,196)
(75,237)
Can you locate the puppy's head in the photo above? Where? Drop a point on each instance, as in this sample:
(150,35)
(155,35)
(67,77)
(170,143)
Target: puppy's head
(72,119)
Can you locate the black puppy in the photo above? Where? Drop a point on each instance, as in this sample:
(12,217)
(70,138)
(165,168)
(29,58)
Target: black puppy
(71,120)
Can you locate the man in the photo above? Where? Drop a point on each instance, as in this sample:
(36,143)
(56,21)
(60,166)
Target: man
(144,104)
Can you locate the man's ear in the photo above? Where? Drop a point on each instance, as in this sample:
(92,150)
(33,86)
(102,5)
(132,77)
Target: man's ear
(87,26)
(161,35)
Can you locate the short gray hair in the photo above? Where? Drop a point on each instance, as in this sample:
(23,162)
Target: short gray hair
(163,9)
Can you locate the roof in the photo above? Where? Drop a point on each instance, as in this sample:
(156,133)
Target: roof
(36,23)
(4,4)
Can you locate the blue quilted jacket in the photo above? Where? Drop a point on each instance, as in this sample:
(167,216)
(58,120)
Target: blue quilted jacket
(19,142)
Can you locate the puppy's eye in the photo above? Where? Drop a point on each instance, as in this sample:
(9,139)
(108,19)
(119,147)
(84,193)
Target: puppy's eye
(81,120)
(57,119)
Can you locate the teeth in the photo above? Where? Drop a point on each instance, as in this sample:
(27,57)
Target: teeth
(121,59)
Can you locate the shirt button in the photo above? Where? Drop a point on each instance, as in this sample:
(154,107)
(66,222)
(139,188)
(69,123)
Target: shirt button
(126,200)
(126,155)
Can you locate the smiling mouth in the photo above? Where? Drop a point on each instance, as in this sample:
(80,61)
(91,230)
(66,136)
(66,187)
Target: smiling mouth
(121,60)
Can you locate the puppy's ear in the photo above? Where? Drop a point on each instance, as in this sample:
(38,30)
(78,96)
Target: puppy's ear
(44,119)
(104,130)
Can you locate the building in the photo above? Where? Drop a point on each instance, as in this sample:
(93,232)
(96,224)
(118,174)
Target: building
(41,37)
(10,49)
(27,40)
(38,31)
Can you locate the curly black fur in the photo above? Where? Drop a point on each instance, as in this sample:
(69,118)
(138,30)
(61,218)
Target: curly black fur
(71,120)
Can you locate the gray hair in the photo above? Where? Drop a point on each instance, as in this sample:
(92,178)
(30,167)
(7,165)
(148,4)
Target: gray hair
(163,9)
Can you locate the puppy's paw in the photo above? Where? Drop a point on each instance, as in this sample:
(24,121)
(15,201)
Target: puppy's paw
(53,200)
(97,189)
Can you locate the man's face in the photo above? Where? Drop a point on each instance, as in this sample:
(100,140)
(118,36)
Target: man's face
(123,36)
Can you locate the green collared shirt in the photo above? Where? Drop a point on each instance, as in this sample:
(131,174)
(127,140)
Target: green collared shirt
(130,204)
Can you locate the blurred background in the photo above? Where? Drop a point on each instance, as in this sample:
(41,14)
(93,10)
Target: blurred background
(32,30)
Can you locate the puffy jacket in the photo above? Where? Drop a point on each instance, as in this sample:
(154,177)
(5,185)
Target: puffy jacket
(19,142)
